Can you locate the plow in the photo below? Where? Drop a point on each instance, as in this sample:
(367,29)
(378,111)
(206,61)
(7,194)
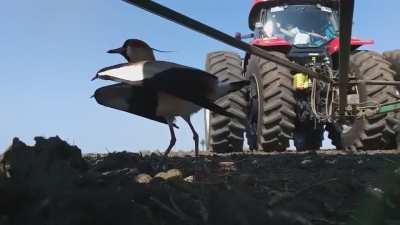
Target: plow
(307,76)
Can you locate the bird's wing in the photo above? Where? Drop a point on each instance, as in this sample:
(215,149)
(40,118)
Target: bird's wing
(157,68)
(184,82)
(128,73)
(135,73)
(131,99)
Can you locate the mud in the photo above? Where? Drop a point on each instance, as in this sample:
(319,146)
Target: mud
(53,183)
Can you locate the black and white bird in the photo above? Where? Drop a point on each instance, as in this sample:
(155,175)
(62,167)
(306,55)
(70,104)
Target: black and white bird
(160,90)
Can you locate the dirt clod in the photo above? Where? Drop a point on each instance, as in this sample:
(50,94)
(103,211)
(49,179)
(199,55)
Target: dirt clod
(170,174)
(52,183)
(143,178)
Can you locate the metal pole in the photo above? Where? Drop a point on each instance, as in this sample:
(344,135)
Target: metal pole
(188,22)
(346,10)
(372,82)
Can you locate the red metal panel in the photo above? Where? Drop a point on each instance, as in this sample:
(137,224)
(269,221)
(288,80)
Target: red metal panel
(258,1)
(334,45)
(274,44)
(270,42)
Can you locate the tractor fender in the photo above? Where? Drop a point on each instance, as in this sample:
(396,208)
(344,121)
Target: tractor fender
(333,46)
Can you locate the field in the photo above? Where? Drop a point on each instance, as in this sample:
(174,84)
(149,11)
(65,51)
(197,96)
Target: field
(53,183)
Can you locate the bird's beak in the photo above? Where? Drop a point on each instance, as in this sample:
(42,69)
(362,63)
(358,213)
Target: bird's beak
(95,77)
(117,51)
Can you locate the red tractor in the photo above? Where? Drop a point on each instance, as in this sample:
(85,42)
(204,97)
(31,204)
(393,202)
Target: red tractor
(307,76)
(283,104)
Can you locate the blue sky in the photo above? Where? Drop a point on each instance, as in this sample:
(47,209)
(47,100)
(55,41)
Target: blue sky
(51,49)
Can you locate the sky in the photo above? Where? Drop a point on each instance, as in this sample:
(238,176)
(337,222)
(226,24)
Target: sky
(51,49)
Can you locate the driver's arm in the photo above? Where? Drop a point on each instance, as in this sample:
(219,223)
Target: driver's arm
(286,32)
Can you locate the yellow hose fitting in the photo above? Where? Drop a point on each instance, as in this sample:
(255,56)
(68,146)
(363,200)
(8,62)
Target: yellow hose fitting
(301,81)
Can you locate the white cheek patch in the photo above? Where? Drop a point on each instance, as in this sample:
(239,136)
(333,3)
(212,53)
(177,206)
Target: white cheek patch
(128,73)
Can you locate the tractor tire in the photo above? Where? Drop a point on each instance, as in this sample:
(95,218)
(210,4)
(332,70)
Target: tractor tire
(272,103)
(394,58)
(226,134)
(373,132)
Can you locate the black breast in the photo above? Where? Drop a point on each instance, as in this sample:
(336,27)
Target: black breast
(143,100)
(138,100)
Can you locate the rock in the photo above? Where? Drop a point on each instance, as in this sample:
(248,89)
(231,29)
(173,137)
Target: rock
(189,179)
(306,162)
(170,174)
(227,166)
(143,178)
(376,192)
(331,162)
(397,172)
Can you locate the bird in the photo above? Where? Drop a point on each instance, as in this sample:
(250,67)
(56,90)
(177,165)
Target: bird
(161,90)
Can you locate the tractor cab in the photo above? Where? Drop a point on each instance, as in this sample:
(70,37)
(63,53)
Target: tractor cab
(302,24)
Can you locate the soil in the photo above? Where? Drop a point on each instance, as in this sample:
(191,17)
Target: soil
(53,183)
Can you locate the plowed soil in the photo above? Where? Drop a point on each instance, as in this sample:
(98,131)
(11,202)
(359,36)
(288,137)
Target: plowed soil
(53,183)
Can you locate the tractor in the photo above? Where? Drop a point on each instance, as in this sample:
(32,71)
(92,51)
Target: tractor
(284,104)
(308,76)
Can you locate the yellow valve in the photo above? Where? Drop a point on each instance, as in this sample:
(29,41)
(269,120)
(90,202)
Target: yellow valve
(301,81)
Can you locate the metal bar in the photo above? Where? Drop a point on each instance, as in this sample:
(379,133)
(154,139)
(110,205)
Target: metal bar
(346,10)
(373,82)
(382,82)
(195,25)
(389,107)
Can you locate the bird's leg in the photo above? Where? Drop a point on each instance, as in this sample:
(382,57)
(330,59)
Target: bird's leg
(163,162)
(195,135)
(196,149)
(173,138)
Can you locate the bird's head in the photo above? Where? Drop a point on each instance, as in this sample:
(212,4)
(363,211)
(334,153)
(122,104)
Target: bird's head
(135,50)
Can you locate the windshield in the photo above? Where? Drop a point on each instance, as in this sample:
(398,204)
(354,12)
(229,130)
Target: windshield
(301,25)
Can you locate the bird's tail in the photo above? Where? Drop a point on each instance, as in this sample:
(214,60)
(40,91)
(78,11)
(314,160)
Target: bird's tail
(220,110)
(228,87)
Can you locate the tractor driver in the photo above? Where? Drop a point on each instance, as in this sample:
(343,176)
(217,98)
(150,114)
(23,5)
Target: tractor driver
(300,37)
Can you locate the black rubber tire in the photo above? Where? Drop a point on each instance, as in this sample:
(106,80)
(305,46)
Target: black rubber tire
(226,134)
(394,58)
(276,112)
(374,132)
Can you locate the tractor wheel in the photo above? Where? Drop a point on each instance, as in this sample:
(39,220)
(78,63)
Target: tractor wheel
(373,132)
(394,58)
(271,120)
(226,134)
